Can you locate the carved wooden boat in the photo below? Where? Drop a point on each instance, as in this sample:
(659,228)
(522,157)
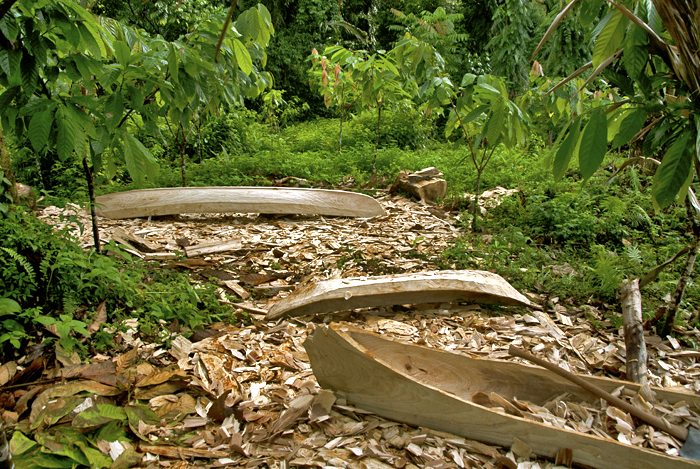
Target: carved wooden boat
(476,286)
(434,389)
(278,200)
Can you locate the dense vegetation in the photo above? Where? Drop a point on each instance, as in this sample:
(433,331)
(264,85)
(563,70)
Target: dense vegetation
(326,91)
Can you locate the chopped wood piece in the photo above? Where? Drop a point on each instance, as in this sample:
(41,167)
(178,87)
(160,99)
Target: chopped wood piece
(178,200)
(432,388)
(474,286)
(426,184)
(213,248)
(122,236)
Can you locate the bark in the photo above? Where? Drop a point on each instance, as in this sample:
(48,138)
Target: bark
(182,166)
(685,276)
(636,349)
(93,210)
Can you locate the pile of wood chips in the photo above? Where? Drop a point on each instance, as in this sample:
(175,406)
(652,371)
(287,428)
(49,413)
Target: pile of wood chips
(246,396)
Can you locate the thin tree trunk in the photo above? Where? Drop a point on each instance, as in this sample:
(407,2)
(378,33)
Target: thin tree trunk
(475,211)
(685,276)
(376,143)
(6,166)
(182,165)
(636,349)
(39,172)
(93,210)
(340,134)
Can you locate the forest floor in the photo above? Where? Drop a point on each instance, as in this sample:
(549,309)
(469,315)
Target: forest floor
(246,395)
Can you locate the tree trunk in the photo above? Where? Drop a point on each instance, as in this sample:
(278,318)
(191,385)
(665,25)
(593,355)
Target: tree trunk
(376,143)
(685,276)
(636,349)
(340,134)
(6,166)
(93,210)
(475,210)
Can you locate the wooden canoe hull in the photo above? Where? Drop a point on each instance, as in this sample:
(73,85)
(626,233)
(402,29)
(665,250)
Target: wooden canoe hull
(444,286)
(433,389)
(277,200)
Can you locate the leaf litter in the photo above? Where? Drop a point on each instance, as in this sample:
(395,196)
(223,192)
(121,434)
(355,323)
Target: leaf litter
(245,396)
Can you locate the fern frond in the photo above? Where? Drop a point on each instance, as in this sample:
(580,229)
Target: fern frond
(69,303)
(21,260)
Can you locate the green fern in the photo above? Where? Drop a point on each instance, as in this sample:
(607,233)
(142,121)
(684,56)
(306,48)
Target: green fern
(21,260)
(634,254)
(69,303)
(614,205)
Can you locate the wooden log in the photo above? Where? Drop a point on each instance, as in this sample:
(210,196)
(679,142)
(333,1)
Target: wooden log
(426,184)
(213,247)
(473,286)
(434,389)
(636,349)
(281,200)
(120,235)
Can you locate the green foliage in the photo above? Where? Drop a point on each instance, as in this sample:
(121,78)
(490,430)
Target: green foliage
(512,26)
(47,280)
(648,82)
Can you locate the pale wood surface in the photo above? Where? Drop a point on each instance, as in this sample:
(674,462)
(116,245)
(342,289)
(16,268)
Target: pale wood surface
(212,248)
(433,388)
(281,200)
(120,235)
(474,286)
(636,349)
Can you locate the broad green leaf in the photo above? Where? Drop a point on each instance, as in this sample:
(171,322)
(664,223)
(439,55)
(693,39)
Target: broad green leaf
(122,52)
(8,306)
(92,38)
(39,128)
(673,172)
(50,461)
(495,124)
(629,127)
(94,456)
(566,151)
(112,431)
(65,134)
(245,63)
(636,52)
(139,160)
(594,144)
(80,121)
(97,416)
(20,444)
(29,73)
(610,38)
(9,27)
(590,9)
(172,64)
(114,108)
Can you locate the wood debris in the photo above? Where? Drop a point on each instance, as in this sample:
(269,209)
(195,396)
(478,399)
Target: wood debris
(247,394)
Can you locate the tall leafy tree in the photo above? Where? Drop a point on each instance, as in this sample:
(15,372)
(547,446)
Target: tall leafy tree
(509,46)
(73,82)
(650,52)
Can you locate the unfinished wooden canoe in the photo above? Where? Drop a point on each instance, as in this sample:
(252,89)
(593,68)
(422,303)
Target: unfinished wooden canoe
(278,200)
(434,389)
(475,286)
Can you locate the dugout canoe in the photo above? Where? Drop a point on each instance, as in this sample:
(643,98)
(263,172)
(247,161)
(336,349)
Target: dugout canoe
(434,389)
(442,286)
(272,200)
